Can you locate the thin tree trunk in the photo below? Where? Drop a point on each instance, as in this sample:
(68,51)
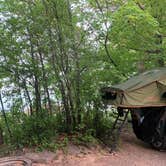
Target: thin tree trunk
(28,96)
(36,81)
(160,59)
(141,66)
(60,64)
(37,94)
(77,63)
(1,136)
(61,86)
(5,118)
(35,65)
(45,82)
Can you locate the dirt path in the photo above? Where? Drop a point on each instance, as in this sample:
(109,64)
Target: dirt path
(132,153)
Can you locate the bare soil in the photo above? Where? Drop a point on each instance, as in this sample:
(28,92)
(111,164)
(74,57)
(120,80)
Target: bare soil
(131,152)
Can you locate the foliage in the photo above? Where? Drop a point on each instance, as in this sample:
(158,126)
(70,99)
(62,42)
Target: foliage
(31,130)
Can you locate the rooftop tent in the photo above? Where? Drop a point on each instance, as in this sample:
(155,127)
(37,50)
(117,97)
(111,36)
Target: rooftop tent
(144,90)
(144,96)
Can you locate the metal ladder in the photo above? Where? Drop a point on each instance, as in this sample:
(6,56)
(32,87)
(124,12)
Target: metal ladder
(117,128)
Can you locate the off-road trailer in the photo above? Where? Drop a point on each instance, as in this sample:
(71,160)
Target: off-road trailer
(144,96)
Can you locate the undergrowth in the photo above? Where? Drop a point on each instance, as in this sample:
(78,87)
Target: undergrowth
(47,132)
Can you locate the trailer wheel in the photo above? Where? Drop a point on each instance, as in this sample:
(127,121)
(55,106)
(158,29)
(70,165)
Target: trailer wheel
(159,144)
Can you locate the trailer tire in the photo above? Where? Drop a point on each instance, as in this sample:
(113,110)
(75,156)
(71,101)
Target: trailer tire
(159,144)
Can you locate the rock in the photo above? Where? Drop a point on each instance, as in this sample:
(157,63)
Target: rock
(42,157)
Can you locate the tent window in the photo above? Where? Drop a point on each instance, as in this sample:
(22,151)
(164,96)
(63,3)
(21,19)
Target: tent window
(109,95)
(164,95)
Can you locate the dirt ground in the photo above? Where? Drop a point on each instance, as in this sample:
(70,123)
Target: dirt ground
(132,152)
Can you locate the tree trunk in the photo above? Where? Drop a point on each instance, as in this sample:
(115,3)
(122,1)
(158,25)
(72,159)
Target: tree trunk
(4,115)
(77,64)
(60,64)
(28,96)
(140,66)
(1,136)
(160,59)
(45,85)
(35,73)
(37,96)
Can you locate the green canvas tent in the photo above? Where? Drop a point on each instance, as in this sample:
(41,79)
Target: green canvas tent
(144,90)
